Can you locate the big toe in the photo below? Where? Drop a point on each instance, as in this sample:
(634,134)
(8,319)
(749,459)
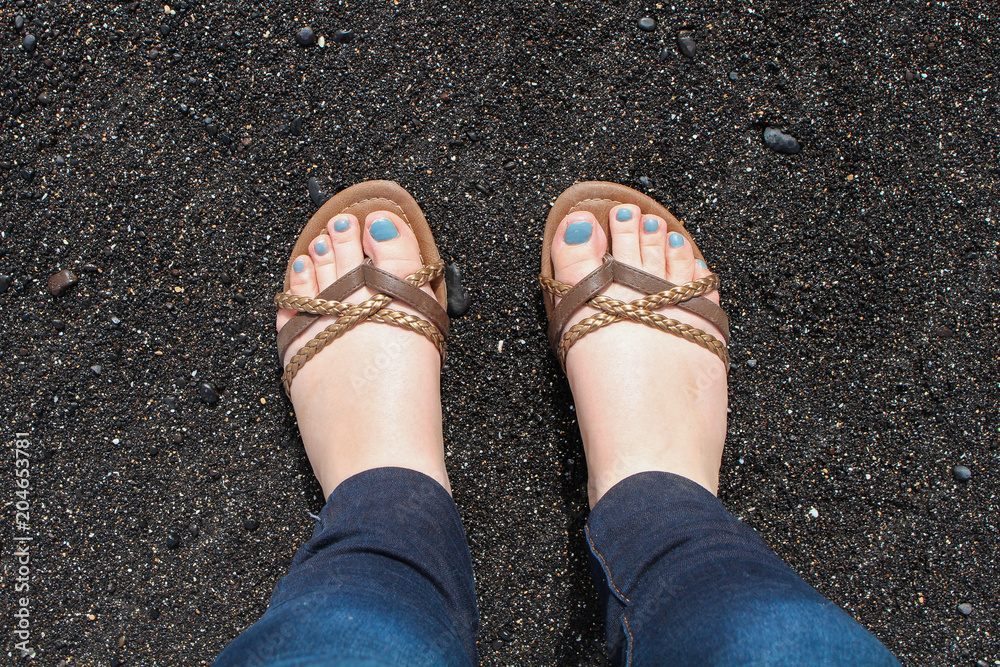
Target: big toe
(578,247)
(391,244)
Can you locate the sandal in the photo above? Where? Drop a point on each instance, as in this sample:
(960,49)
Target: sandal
(599,198)
(360,200)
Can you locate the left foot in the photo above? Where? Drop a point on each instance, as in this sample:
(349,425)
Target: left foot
(372,398)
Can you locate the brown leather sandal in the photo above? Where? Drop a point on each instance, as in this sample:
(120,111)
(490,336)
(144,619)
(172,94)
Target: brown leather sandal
(360,200)
(599,198)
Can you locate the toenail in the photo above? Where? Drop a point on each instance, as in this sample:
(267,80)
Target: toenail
(299,266)
(676,240)
(383,230)
(651,225)
(322,248)
(579,232)
(624,214)
(702,264)
(341,225)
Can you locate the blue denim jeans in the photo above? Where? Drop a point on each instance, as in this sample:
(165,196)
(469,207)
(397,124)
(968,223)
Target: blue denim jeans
(387,580)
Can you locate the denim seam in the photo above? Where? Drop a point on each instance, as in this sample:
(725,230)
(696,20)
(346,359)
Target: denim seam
(604,566)
(628,644)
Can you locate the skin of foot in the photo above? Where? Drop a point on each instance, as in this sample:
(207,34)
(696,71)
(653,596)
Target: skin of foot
(645,400)
(372,398)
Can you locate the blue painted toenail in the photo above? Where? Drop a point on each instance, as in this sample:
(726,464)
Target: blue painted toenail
(299,266)
(383,230)
(579,232)
(322,248)
(624,214)
(702,264)
(651,225)
(341,225)
(676,240)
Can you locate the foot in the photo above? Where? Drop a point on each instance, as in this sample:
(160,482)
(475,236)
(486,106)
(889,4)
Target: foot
(645,400)
(372,398)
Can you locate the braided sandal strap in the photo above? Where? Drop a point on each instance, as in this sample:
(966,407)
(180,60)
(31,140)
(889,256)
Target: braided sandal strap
(640,310)
(350,315)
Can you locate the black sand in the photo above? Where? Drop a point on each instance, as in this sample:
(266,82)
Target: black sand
(861,275)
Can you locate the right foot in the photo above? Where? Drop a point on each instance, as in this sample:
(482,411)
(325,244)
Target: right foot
(372,398)
(646,400)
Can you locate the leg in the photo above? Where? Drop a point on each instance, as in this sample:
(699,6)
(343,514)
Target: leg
(385,580)
(683,581)
(387,577)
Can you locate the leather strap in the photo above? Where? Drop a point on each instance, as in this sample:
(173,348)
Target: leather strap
(613,271)
(380,282)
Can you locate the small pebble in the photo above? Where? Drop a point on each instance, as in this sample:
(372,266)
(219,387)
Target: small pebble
(965,609)
(343,36)
(295,127)
(458,297)
(58,325)
(647,24)
(95,369)
(5,283)
(505,635)
(778,141)
(733,76)
(193,529)
(62,281)
(172,543)
(686,45)
(154,452)
(305,37)
(214,474)
(164,29)
(154,614)
(18,22)
(961,473)
(316,194)
(908,75)
(208,393)
(29,43)
(646,182)
(251,525)
(944,332)
(177,438)
(752,363)
(27,174)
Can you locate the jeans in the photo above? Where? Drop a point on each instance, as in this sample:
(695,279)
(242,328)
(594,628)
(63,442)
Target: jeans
(386,579)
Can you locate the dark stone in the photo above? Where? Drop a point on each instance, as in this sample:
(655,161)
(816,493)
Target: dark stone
(214,474)
(317,195)
(482,189)
(164,29)
(305,37)
(778,141)
(908,74)
(59,325)
(5,283)
(207,393)
(505,635)
(172,543)
(472,135)
(193,529)
(458,297)
(90,268)
(251,525)
(225,279)
(343,36)
(154,614)
(664,56)
(944,332)
(62,281)
(647,24)
(965,609)
(225,139)
(177,438)
(18,22)
(509,165)
(27,174)
(295,127)
(29,43)
(153,452)
(212,130)
(686,45)
(961,473)
(733,76)
(96,369)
